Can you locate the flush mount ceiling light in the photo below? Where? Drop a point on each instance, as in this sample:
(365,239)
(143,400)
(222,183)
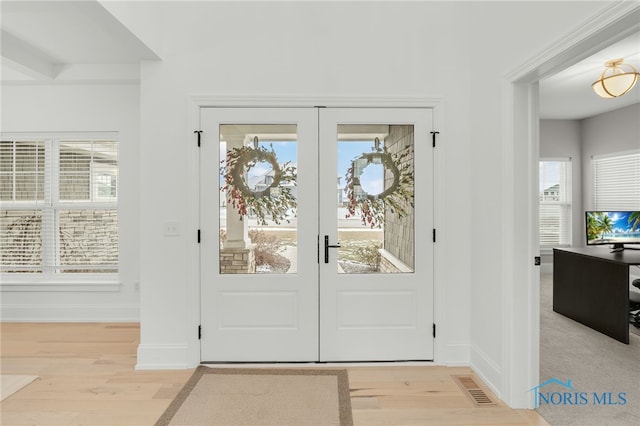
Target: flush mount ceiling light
(616,80)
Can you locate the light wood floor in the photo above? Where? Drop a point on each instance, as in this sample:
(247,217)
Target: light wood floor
(87,377)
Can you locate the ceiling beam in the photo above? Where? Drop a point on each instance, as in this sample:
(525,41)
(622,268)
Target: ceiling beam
(109,23)
(27,59)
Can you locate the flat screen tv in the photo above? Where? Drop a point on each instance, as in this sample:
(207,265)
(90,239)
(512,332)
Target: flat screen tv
(613,228)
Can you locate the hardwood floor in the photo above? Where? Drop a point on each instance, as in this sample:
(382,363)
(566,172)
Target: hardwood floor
(87,377)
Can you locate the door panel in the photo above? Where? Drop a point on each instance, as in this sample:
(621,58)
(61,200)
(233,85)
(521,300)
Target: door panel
(259,293)
(376,301)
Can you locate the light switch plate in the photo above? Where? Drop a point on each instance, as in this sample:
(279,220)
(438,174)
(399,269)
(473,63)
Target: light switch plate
(171,229)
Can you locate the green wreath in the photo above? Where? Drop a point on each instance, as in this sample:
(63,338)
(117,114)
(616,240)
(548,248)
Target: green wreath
(274,201)
(398,196)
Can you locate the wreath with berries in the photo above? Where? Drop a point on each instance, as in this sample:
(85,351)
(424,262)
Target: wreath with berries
(274,201)
(398,196)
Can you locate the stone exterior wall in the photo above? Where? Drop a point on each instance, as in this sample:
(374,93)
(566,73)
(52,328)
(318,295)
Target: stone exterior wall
(389,264)
(386,267)
(238,261)
(399,231)
(86,237)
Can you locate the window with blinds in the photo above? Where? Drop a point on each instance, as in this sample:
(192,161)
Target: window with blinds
(617,181)
(59,206)
(555,202)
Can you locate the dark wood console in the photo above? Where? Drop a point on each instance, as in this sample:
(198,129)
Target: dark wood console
(591,286)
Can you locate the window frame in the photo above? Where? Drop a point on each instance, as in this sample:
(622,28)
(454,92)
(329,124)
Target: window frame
(49,279)
(567,202)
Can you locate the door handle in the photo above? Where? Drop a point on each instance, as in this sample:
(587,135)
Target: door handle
(327,246)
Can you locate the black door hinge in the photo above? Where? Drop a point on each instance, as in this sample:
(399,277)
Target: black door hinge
(198,133)
(198,236)
(536,260)
(433,138)
(434,235)
(199,332)
(434,331)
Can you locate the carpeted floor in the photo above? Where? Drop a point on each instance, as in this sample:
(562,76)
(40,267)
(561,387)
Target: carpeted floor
(594,363)
(259,397)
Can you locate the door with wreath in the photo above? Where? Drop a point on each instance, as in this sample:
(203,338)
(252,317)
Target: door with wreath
(316,234)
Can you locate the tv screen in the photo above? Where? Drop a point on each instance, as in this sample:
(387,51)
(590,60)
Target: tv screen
(617,228)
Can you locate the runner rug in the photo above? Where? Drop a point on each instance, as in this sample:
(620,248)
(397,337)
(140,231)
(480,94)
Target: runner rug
(261,397)
(10,384)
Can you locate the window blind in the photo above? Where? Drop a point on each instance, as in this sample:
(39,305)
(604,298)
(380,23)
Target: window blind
(22,171)
(555,202)
(59,206)
(617,182)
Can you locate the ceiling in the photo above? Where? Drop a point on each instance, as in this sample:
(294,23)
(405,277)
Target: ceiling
(61,41)
(568,94)
(57,41)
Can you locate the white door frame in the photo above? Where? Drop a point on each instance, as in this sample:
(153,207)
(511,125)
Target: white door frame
(520,147)
(193,190)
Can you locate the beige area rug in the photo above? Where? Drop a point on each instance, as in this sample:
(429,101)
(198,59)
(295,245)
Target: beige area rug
(10,384)
(260,397)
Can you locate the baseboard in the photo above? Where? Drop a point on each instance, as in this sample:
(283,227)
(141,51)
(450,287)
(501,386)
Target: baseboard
(487,370)
(69,313)
(457,355)
(162,357)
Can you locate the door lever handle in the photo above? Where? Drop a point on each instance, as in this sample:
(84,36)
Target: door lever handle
(327,246)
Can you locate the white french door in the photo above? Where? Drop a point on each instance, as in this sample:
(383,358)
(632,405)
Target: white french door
(316,234)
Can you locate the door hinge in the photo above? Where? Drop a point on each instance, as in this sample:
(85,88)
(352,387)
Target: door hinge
(433,138)
(434,235)
(198,236)
(199,332)
(434,331)
(536,260)
(198,133)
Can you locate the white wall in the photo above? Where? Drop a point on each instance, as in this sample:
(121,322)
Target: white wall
(503,36)
(615,131)
(457,51)
(82,108)
(312,49)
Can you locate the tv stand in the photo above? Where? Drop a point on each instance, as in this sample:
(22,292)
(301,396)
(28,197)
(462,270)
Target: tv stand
(618,247)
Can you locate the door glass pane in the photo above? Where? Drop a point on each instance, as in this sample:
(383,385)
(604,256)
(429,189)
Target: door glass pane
(375,194)
(258,199)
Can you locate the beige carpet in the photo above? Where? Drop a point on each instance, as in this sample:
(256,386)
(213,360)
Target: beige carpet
(592,361)
(10,384)
(248,396)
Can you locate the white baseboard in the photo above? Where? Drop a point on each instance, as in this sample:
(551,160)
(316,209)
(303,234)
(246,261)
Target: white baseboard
(487,370)
(162,357)
(457,355)
(69,313)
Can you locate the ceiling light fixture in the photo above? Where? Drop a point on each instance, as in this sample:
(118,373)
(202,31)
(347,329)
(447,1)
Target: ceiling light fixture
(616,79)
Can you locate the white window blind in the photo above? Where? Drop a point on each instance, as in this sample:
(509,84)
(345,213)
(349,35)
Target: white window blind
(617,182)
(59,206)
(555,202)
